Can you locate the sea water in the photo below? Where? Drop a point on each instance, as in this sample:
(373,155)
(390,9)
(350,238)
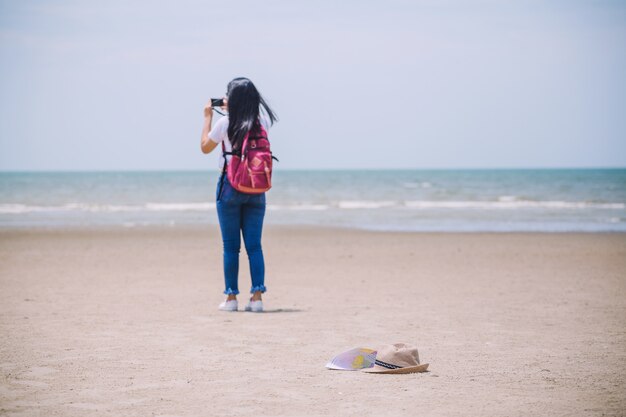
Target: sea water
(546,200)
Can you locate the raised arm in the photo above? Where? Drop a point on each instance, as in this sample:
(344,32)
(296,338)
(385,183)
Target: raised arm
(206,144)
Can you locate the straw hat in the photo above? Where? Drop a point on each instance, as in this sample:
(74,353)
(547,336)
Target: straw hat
(398,358)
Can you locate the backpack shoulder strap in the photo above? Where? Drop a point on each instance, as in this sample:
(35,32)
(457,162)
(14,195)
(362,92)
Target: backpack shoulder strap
(224,152)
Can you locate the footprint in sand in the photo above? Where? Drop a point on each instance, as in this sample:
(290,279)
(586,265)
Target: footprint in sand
(31,377)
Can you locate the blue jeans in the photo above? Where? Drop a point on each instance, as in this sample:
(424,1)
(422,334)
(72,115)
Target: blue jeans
(241,214)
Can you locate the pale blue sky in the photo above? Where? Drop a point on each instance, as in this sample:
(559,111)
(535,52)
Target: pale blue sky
(89,85)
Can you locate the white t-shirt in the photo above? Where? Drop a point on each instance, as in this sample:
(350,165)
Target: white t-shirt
(219,133)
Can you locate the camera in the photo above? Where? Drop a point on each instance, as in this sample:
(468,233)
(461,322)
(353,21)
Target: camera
(217,102)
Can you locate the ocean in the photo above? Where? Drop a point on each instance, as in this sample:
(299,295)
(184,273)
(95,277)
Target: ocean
(542,200)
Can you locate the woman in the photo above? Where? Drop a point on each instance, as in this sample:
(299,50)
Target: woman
(238,213)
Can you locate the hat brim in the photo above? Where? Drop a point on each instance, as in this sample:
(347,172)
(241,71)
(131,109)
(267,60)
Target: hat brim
(408,370)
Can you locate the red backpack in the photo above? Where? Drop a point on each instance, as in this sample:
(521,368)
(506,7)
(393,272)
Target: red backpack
(250,170)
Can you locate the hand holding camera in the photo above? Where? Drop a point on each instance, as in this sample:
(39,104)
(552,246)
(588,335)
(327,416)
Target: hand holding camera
(215,102)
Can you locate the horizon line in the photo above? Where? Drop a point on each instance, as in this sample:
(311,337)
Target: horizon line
(77,171)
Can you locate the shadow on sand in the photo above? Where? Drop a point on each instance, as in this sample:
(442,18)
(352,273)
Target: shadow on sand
(280,310)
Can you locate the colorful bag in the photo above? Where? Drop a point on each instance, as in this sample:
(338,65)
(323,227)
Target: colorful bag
(250,170)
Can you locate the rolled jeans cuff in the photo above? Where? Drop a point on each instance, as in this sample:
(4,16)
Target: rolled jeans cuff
(258,288)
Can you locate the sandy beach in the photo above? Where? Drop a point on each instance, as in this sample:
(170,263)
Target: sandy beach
(123,322)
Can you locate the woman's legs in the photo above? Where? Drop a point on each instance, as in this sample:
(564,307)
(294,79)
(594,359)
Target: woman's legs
(241,214)
(229,214)
(252,227)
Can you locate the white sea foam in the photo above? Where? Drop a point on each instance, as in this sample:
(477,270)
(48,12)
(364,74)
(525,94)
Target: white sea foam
(503,203)
(180,206)
(99,208)
(373,204)
(19,208)
(423,184)
(103,208)
(303,207)
(512,204)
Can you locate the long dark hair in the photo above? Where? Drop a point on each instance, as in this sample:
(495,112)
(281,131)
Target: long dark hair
(244,106)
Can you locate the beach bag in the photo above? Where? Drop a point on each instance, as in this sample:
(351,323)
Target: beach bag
(250,170)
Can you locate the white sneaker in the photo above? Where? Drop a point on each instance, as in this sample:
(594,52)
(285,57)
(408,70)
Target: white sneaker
(254,306)
(229,305)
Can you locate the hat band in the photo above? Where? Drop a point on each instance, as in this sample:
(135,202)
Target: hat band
(386,365)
